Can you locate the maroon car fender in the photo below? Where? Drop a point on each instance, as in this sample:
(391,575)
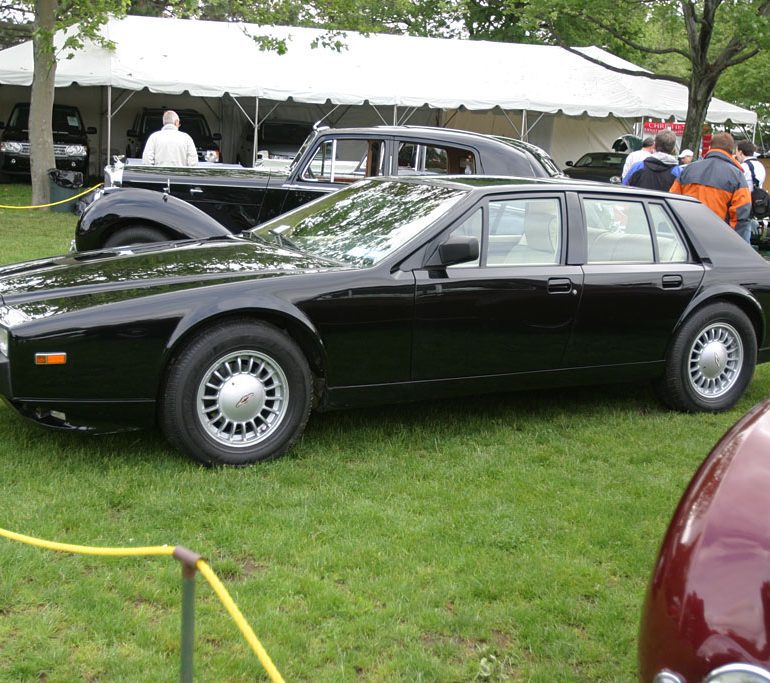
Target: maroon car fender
(708,603)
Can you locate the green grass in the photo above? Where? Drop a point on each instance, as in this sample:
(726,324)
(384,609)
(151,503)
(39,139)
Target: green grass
(503,538)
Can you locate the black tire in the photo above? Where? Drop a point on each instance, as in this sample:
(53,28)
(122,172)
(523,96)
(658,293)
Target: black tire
(135,234)
(221,408)
(711,360)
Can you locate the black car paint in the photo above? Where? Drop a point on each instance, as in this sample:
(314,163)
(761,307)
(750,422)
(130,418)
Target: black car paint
(241,198)
(392,332)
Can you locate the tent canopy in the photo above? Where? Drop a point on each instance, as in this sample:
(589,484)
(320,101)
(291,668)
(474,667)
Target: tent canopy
(209,59)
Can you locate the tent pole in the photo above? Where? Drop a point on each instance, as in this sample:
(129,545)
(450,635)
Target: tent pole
(109,123)
(256,128)
(395,115)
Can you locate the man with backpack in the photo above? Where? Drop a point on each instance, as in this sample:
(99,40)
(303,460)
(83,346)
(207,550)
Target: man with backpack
(754,171)
(656,171)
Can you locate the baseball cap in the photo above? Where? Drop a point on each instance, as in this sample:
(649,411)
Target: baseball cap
(685,153)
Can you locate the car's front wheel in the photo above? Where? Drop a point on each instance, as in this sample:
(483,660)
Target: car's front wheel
(238,393)
(135,234)
(711,360)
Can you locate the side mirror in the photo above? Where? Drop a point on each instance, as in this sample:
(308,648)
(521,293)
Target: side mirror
(90,130)
(216,136)
(458,249)
(570,163)
(132,133)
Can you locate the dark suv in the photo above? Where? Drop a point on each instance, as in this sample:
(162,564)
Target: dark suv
(191,122)
(70,140)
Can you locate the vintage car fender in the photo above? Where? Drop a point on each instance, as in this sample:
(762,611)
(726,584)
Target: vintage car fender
(119,208)
(708,602)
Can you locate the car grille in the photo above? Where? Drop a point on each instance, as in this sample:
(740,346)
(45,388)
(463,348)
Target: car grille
(58,150)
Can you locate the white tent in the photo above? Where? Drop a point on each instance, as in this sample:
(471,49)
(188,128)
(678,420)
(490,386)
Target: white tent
(209,59)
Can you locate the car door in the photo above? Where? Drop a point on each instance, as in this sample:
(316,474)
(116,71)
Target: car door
(511,310)
(639,278)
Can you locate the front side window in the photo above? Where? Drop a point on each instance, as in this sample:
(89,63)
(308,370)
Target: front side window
(345,160)
(617,232)
(519,232)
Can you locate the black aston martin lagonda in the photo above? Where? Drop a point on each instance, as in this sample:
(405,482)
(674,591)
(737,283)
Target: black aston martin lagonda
(392,289)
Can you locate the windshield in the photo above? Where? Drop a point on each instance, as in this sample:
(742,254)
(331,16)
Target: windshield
(601,160)
(64,119)
(362,224)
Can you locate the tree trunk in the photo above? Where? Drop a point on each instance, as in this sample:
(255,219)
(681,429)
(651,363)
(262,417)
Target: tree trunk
(41,100)
(700,91)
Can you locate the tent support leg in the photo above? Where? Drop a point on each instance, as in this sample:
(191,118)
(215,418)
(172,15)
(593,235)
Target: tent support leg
(256,129)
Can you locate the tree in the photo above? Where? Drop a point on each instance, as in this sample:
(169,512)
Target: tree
(84,18)
(692,42)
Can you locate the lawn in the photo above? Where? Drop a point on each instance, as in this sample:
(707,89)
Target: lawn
(503,538)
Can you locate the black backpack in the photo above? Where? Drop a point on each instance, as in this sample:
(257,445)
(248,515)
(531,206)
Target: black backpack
(760,199)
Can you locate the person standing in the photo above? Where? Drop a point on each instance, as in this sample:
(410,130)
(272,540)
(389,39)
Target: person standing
(659,169)
(169,146)
(753,170)
(685,157)
(717,180)
(648,147)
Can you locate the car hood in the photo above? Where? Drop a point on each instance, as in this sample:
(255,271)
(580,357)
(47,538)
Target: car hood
(97,277)
(213,174)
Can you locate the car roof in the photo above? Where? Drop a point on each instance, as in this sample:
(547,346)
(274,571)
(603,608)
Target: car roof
(517,184)
(446,134)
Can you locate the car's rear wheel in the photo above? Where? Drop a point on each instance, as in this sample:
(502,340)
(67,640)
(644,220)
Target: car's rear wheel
(711,360)
(238,393)
(135,234)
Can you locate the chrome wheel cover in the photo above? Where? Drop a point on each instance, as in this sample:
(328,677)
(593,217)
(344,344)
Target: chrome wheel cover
(715,360)
(242,399)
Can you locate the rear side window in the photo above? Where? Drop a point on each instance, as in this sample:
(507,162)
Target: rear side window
(415,158)
(671,249)
(617,232)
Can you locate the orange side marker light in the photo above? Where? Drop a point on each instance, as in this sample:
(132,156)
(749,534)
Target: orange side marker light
(50,359)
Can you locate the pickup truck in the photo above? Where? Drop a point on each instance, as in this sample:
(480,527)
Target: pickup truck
(239,198)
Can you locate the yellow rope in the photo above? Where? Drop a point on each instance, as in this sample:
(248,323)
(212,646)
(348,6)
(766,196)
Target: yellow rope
(164,550)
(238,618)
(61,201)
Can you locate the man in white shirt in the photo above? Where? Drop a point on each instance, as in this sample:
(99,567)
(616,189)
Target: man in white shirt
(648,147)
(746,154)
(169,146)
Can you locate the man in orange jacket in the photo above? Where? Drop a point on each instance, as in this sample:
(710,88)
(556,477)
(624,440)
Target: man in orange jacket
(718,181)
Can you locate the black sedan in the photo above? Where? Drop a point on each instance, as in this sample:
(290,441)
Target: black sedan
(601,166)
(390,290)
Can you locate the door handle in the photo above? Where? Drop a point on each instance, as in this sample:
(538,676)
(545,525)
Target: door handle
(195,190)
(559,285)
(672,281)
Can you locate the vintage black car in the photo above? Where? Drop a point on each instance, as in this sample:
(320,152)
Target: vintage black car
(390,290)
(599,166)
(240,198)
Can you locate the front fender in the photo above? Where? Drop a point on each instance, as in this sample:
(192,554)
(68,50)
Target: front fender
(121,207)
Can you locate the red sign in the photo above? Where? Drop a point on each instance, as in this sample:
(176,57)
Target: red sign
(705,144)
(656,126)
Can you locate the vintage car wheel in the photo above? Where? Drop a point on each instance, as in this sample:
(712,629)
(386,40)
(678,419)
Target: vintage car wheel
(238,393)
(135,234)
(711,360)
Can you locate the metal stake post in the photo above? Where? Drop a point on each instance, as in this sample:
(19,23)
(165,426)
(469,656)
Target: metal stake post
(189,560)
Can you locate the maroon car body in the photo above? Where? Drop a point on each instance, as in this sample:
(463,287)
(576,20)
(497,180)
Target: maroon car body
(707,610)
